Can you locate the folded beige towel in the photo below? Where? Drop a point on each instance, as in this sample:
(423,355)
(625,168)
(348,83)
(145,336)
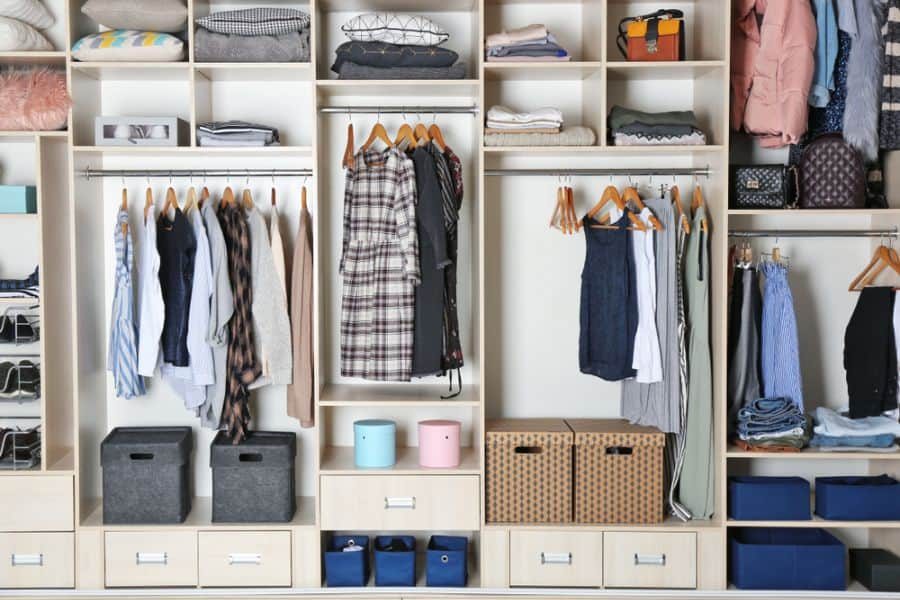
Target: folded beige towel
(571,136)
(490,130)
(515,36)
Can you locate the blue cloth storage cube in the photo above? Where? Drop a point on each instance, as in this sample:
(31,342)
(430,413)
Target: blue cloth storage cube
(18,199)
(768,499)
(374,443)
(446,561)
(763,558)
(875,498)
(395,560)
(343,568)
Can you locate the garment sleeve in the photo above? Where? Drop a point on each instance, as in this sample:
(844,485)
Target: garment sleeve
(405,216)
(348,205)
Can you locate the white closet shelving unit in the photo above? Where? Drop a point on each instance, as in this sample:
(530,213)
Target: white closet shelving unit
(518,293)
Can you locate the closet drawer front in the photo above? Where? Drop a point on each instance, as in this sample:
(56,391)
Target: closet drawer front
(151,559)
(650,560)
(37,560)
(542,558)
(404,502)
(245,559)
(40,503)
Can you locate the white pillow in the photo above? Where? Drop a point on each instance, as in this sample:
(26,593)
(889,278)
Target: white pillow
(125,45)
(31,12)
(411,30)
(16,36)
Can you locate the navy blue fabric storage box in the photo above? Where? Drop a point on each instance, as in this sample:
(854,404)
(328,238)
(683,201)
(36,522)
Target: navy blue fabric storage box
(875,498)
(768,499)
(446,561)
(763,558)
(395,567)
(347,569)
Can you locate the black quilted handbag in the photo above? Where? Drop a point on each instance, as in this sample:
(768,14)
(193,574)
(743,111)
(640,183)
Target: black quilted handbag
(832,174)
(763,186)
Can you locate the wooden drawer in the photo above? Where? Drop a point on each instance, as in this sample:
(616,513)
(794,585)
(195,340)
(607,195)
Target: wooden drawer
(151,559)
(40,503)
(245,558)
(540,558)
(650,560)
(37,560)
(405,502)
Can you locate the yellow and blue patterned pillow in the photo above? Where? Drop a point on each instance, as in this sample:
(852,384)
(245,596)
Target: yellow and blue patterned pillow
(123,45)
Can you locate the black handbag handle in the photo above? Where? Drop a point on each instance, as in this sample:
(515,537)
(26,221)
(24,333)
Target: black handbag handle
(622,37)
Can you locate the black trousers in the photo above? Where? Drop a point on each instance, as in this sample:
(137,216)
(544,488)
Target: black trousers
(870,354)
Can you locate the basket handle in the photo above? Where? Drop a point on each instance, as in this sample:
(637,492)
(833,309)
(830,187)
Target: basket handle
(619,451)
(141,456)
(250,457)
(528,450)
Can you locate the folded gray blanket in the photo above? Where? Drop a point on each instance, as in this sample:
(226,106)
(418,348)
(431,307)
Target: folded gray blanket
(219,47)
(351,70)
(571,136)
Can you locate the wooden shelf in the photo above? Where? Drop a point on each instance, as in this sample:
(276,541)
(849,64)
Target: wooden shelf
(134,71)
(572,151)
(685,69)
(462,88)
(417,6)
(196,150)
(41,57)
(542,71)
(818,522)
(396,395)
(338,460)
(669,524)
(811,454)
(281,72)
(34,134)
(817,212)
(200,517)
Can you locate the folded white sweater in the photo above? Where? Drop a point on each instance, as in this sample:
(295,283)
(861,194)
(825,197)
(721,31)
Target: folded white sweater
(501,114)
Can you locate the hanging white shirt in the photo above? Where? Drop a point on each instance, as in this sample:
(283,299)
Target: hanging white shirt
(152,310)
(647,359)
(278,250)
(190,382)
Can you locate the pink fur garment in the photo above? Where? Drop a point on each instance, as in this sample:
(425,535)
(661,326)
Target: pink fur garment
(33,100)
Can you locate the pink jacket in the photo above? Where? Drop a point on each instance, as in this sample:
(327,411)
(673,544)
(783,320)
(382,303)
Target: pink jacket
(772,69)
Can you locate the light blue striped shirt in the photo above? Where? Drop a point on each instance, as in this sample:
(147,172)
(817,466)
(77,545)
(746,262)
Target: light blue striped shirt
(122,356)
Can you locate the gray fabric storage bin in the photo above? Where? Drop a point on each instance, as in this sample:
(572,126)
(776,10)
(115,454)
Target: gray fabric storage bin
(146,475)
(253,482)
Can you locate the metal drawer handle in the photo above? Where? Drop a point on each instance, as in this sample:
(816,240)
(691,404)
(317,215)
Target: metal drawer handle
(239,558)
(27,560)
(151,558)
(657,560)
(408,503)
(556,558)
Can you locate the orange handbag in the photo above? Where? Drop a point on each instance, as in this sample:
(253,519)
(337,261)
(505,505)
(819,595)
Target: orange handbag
(657,36)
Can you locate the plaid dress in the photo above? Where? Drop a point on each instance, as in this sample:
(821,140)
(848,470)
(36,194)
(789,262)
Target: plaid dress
(380,266)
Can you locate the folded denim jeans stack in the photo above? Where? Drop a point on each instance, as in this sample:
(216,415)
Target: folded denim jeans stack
(771,425)
(395,46)
(253,35)
(532,43)
(836,433)
(236,133)
(637,128)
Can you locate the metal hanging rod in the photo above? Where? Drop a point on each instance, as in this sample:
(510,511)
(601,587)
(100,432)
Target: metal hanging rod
(172,173)
(399,110)
(697,172)
(814,233)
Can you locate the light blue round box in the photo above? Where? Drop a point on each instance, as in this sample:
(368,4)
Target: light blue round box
(374,442)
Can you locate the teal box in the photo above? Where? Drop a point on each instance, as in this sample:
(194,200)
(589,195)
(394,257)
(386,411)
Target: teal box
(374,442)
(18,199)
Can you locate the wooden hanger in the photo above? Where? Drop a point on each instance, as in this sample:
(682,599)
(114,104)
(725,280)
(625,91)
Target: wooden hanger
(303,198)
(696,203)
(204,196)
(273,195)
(555,220)
(191,200)
(437,135)
(406,133)
(228,196)
(171,202)
(883,258)
(682,218)
(612,194)
(247,200)
(421,132)
(347,161)
(148,203)
(378,133)
(124,207)
(631,194)
(570,208)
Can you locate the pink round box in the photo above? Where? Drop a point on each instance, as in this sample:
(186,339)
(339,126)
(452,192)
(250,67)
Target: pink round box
(439,444)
